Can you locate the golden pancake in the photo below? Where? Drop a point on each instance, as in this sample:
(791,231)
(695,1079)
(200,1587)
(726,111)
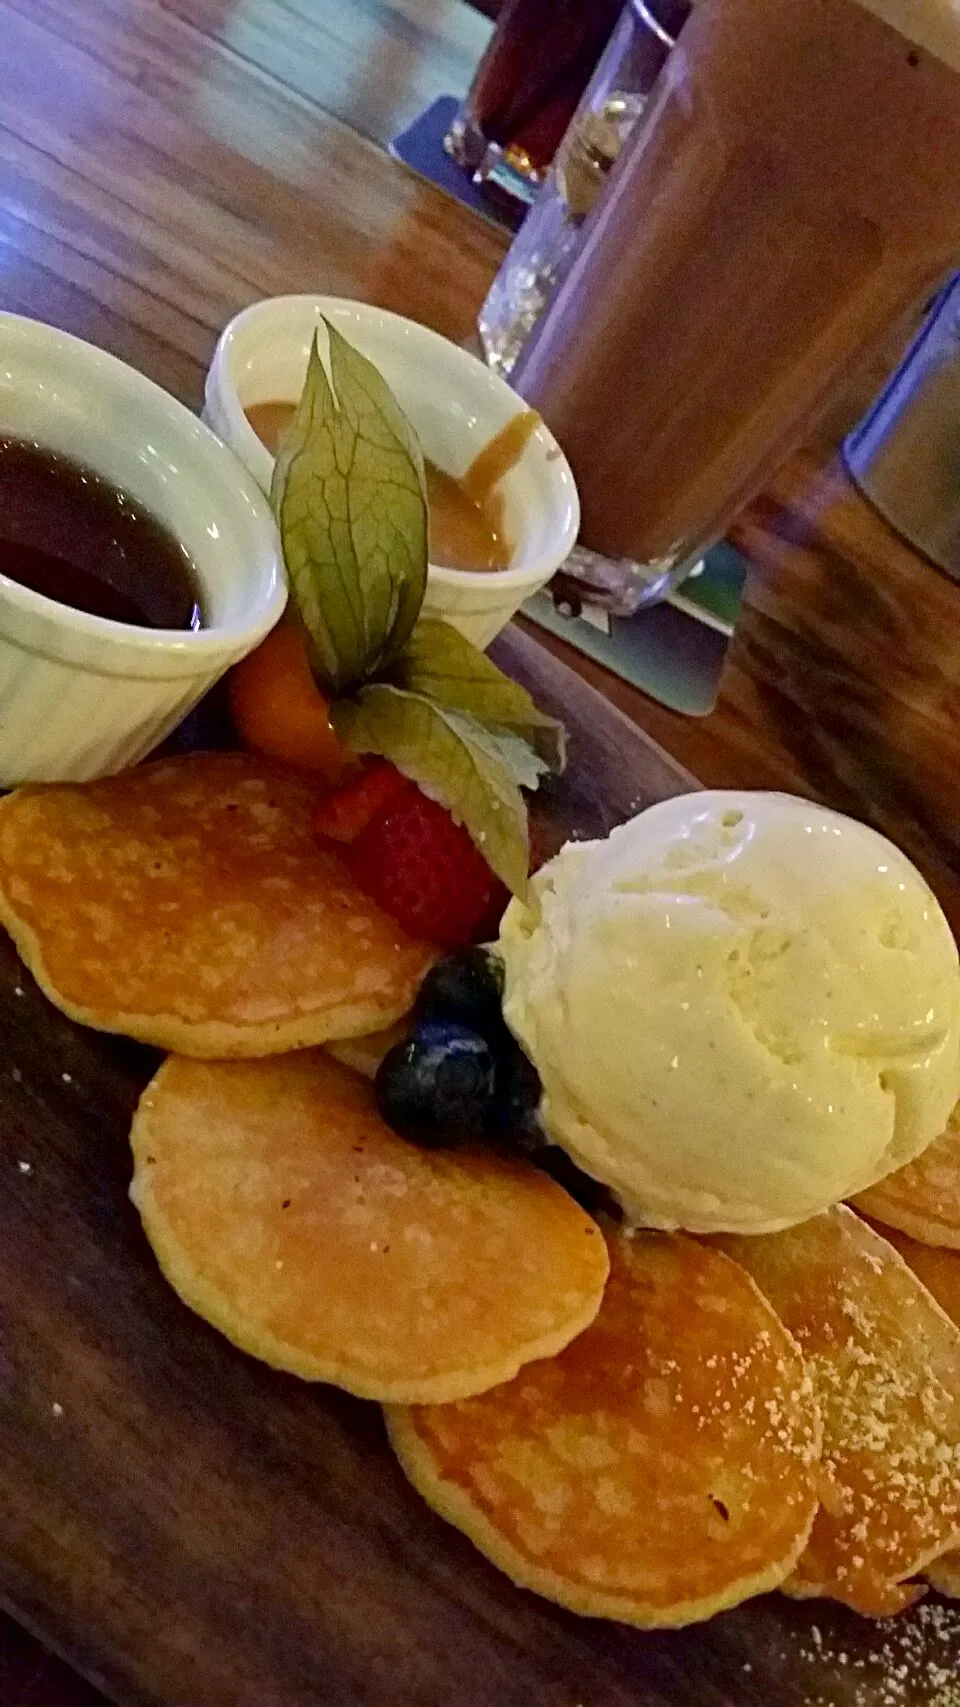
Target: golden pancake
(885,1362)
(944,1575)
(923,1199)
(940,1272)
(938,1269)
(659,1469)
(187,903)
(364,1054)
(285,1212)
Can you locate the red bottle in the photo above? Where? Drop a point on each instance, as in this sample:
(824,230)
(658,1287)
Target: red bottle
(527,86)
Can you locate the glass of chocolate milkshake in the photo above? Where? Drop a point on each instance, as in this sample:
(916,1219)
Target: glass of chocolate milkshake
(789,193)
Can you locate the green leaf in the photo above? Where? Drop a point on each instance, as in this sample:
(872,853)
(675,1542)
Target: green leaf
(523,761)
(454,760)
(349,496)
(441,664)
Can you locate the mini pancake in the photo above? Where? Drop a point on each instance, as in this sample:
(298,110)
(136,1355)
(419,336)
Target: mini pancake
(659,1469)
(922,1199)
(944,1575)
(939,1271)
(187,903)
(364,1054)
(885,1361)
(285,1212)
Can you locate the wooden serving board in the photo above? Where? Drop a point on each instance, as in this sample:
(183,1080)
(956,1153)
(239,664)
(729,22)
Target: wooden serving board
(191,1529)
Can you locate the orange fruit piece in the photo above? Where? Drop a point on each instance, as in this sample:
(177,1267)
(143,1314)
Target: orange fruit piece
(278,709)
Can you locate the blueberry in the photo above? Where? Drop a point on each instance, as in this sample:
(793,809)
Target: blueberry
(438,1086)
(466,988)
(513,1113)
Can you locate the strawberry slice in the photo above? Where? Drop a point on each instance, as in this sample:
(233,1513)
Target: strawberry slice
(424,870)
(346,813)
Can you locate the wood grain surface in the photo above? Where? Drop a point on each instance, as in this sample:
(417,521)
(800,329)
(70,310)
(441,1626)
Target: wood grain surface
(163,163)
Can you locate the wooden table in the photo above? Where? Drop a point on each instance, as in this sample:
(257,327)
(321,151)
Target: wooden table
(164,162)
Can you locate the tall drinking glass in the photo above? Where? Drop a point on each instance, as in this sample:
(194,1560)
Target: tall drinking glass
(789,193)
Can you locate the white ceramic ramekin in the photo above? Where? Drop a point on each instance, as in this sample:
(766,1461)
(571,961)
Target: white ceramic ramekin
(456,406)
(79,696)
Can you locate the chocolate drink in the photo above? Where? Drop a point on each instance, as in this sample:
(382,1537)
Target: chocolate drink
(793,189)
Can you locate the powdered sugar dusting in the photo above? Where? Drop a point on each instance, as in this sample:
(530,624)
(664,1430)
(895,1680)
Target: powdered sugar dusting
(911,1662)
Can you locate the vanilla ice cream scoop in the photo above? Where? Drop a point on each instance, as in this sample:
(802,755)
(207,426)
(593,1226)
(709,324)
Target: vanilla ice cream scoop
(743,1008)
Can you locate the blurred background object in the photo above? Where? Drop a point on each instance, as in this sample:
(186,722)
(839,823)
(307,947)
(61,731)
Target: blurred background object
(905,453)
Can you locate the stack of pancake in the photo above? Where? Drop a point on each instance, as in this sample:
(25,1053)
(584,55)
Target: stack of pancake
(640,1426)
